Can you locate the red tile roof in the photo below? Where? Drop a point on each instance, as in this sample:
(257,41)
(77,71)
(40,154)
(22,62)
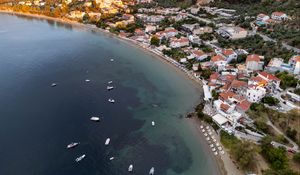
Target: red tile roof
(244,105)
(224,107)
(269,76)
(253,57)
(226,95)
(238,84)
(217,58)
(228,52)
(214,76)
(198,53)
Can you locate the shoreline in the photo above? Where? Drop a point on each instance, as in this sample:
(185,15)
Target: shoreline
(195,123)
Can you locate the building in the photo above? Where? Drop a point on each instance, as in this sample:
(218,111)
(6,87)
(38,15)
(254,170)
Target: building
(195,67)
(254,63)
(295,63)
(178,42)
(202,30)
(219,62)
(199,55)
(277,64)
(229,55)
(262,17)
(150,28)
(194,39)
(232,32)
(270,78)
(255,93)
(76,14)
(280,16)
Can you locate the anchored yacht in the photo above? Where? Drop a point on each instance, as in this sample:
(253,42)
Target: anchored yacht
(78,159)
(72,145)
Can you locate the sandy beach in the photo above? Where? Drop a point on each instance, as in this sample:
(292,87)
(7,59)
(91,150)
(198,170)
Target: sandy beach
(223,162)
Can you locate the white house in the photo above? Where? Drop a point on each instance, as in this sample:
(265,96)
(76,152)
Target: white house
(229,55)
(262,17)
(255,93)
(194,39)
(195,67)
(219,62)
(295,63)
(280,16)
(150,28)
(77,14)
(253,62)
(232,32)
(181,42)
(199,55)
(270,78)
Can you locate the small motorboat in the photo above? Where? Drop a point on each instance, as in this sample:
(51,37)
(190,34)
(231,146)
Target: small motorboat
(107,141)
(111,158)
(130,168)
(151,172)
(72,145)
(53,84)
(111,100)
(87,80)
(95,119)
(109,87)
(78,159)
(153,123)
(112,60)
(110,82)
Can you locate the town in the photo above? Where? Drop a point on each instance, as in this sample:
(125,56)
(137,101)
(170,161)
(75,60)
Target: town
(250,79)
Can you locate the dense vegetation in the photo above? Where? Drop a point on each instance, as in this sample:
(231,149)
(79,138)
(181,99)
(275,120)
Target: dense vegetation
(257,45)
(270,100)
(287,31)
(242,151)
(176,3)
(287,80)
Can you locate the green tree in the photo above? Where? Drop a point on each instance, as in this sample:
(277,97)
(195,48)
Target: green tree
(296,157)
(270,100)
(155,41)
(244,153)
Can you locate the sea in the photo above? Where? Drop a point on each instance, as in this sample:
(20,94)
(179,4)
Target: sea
(38,121)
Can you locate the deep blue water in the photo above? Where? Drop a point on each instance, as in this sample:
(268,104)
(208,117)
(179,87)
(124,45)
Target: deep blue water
(37,121)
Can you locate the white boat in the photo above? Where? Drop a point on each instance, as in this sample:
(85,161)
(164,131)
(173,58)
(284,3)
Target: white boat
(201,126)
(107,141)
(109,87)
(53,84)
(216,153)
(153,123)
(87,80)
(95,119)
(130,168)
(112,60)
(151,172)
(111,158)
(78,159)
(111,100)
(72,145)
(110,82)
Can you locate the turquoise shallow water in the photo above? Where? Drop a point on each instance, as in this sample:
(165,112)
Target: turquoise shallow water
(37,121)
